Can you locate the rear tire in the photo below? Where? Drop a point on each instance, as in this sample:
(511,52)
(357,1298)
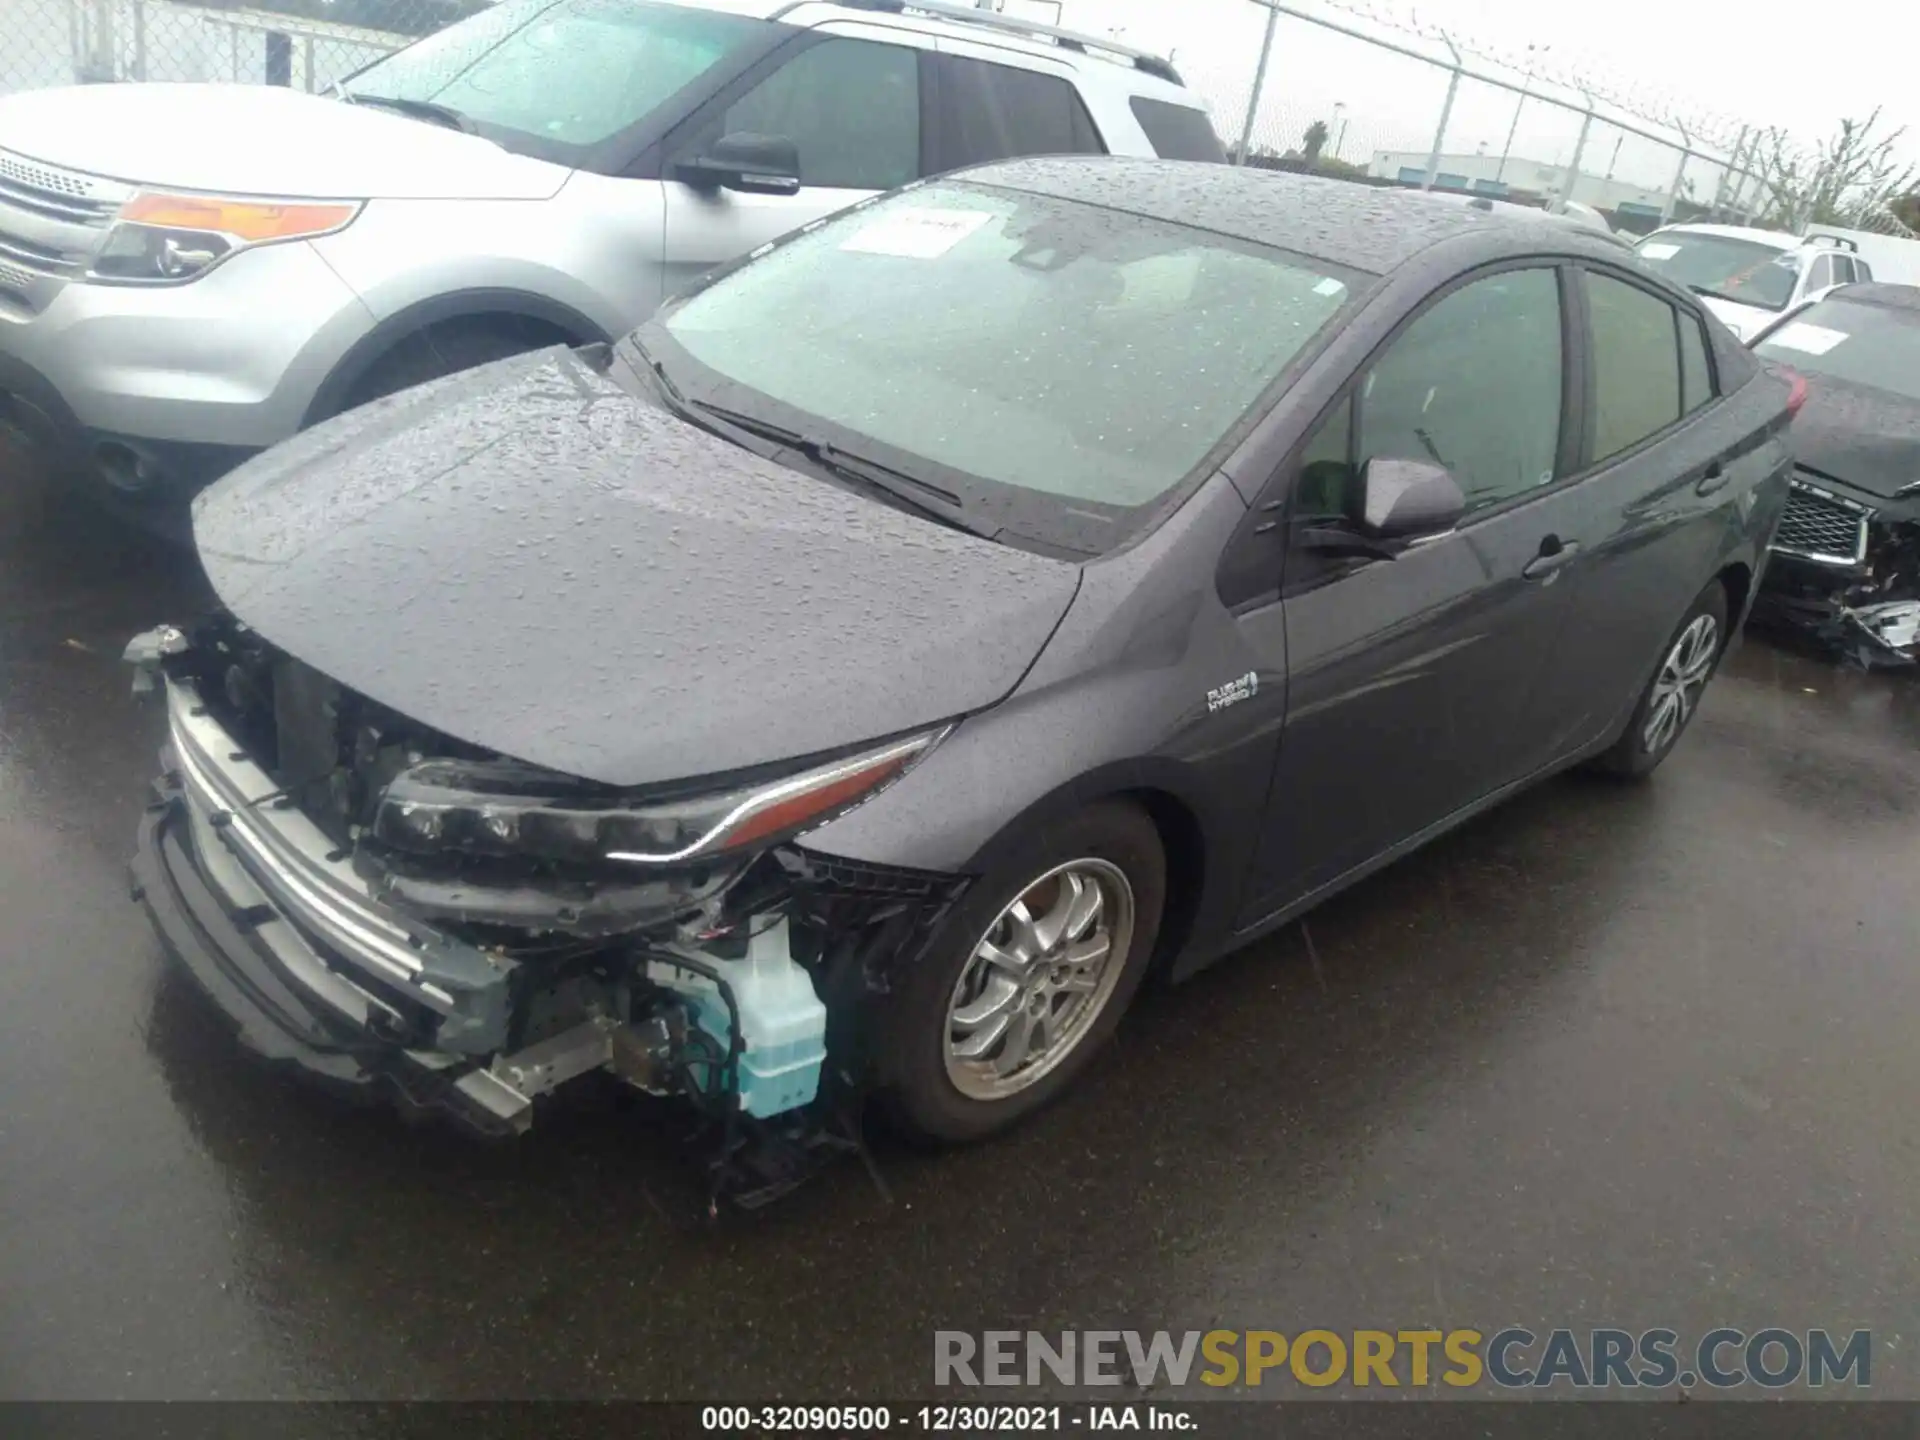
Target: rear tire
(1026,979)
(1672,694)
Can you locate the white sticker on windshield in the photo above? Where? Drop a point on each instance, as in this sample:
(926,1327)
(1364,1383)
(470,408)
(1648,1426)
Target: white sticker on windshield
(1328,286)
(1814,339)
(917,234)
(1658,250)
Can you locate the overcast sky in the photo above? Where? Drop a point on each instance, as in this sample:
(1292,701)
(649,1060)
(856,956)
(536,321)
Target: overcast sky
(1753,64)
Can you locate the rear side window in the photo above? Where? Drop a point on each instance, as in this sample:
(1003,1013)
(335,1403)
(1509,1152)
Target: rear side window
(1864,270)
(1696,381)
(1178,132)
(997,112)
(1636,364)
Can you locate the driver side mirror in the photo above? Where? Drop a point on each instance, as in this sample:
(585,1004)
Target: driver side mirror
(1407,499)
(743,161)
(1389,503)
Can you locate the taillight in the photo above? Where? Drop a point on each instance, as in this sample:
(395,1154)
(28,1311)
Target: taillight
(1797,393)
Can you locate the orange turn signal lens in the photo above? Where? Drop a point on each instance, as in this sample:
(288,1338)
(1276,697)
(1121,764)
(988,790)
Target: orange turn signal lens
(250,220)
(796,810)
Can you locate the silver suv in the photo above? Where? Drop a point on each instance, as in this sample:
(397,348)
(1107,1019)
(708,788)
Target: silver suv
(190,273)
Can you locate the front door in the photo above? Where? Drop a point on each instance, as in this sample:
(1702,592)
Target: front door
(850,105)
(1412,680)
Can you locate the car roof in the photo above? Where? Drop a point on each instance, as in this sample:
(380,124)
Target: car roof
(1777,238)
(1879,292)
(1370,228)
(1138,71)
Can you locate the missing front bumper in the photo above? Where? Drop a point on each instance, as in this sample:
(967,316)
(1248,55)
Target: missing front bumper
(276,1009)
(1846,575)
(323,970)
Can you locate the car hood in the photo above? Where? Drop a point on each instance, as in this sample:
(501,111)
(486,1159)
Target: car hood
(263,140)
(1746,321)
(529,558)
(1866,437)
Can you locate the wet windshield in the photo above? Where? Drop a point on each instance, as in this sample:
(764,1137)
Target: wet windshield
(563,74)
(1750,272)
(1866,344)
(1078,355)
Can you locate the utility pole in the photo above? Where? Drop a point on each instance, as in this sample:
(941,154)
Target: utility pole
(1726,170)
(1679,174)
(1446,112)
(1579,146)
(1518,105)
(1259,83)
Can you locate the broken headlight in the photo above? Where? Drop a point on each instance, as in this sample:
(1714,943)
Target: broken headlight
(505,808)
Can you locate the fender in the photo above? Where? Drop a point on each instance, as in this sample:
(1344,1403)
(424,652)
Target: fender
(1200,885)
(455,305)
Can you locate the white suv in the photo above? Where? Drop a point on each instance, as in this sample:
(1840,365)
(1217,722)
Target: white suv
(190,273)
(1750,277)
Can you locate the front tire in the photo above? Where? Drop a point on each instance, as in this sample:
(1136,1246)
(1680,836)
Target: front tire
(1672,696)
(1026,979)
(448,349)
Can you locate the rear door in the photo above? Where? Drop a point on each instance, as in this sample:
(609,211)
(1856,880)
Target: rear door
(1412,680)
(852,99)
(1658,467)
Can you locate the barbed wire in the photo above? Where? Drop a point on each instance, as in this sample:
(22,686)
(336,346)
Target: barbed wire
(1635,99)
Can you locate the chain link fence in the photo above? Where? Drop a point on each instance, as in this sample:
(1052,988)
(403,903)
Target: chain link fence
(1352,88)
(1344,87)
(305,44)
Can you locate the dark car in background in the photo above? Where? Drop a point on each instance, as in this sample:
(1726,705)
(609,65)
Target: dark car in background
(1846,562)
(862,676)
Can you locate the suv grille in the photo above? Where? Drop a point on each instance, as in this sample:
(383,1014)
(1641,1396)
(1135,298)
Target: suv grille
(1817,526)
(51,221)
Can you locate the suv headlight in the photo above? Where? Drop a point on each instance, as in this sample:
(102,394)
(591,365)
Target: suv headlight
(160,239)
(504,808)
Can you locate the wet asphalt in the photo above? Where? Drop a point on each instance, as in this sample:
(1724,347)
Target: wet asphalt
(1634,1056)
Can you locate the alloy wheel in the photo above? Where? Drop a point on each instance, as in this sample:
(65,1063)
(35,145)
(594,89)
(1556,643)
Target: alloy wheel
(1038,978)
(1676,689)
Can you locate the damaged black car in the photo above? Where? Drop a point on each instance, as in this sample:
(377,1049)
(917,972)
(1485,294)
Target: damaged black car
(851,685)
(1846,562)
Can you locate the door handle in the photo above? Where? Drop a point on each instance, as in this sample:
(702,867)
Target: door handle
(1715,477)
(1554,553)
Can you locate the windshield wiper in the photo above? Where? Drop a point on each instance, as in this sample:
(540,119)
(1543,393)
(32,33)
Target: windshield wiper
(419,109)
(904,489)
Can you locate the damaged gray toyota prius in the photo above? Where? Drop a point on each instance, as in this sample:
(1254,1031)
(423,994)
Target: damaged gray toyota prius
(852,684)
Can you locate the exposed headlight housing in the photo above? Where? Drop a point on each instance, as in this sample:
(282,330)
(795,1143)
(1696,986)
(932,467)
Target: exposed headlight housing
(503,808)
(163,239)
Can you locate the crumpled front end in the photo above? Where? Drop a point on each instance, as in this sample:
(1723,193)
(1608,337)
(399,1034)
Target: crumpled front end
(1845,571)
(397,912)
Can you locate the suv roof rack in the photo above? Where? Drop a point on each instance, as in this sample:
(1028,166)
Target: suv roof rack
(993,20)
(1839,242)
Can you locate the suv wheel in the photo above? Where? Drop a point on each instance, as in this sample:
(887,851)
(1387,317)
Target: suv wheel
(447,349)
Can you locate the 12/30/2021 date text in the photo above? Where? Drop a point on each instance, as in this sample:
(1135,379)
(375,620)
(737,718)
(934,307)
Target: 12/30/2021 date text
(938,1419)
